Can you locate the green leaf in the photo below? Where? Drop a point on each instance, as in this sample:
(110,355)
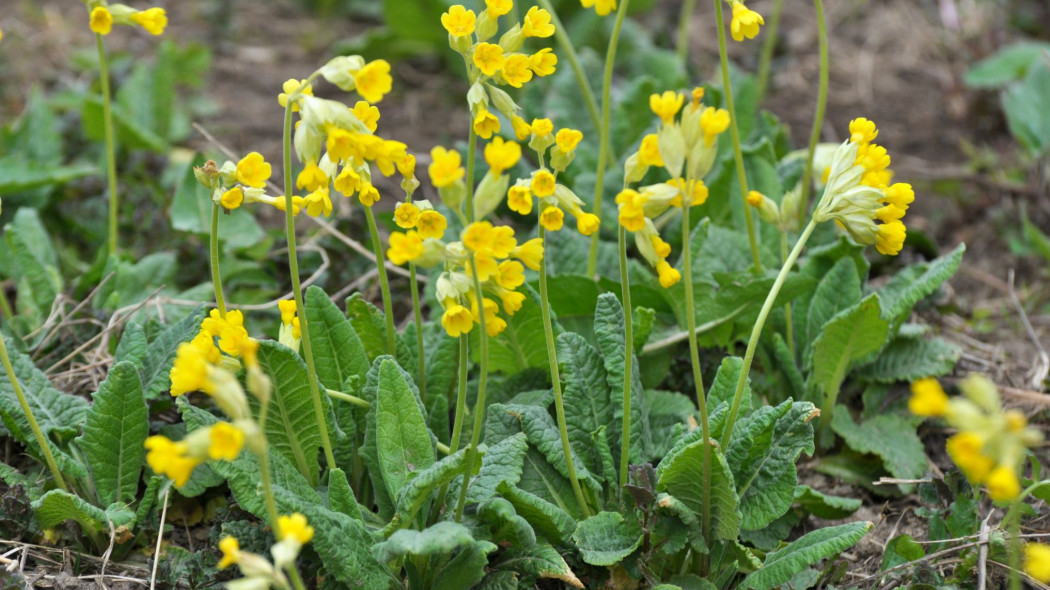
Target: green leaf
(129,133)
(441,539)
(723,388)
(58,414)
(116,428)
(18,174)
(546,519)
(540,561)
(609,327)
(891,437)
(419,489)
(839,289)
(191,211)
(541,479)
(1009,64)
(34,254)
(370,325)
(1036,239)
(341,496)
(914,283)
(58,506)
(851,335)
(523,344)
(824,505)
(402,438)
(1025,106)
(681,478)
(160,354)
(585,394)
(900,550)
(908,359)
(809,549)
(606,538)
(132,346)
(789,367)
(466,569)
(292,427)
(505,525)
(502,464)
(572,299)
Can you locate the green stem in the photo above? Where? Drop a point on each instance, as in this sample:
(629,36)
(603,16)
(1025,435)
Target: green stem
(346,397)
(628,359)
(603,132)
(734,131)
(768,46)
(384,283)
(111,154)
(264,467)
(461,395)
(479,405)
(684,18)
(694,360)
(41,439)
(818,117)
(559,404)
(472,148)
(790,330)
(297,287)
(297,579)
(5,305)
(1015,546)
(216,279)
(418,316)
(752,343)
(569,52)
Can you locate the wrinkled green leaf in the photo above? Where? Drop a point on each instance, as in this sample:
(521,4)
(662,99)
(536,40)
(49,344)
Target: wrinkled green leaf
(546,519)
(809,549)
(891,437)
(502,464)
(606,538)
(160,354)
(586,395)
(609,330)
(58,506)
(912,284)
(849,336)
(839,289)
(441,539)
(908,359)
(402,438)
(540,561)
(824,505)
(682,476)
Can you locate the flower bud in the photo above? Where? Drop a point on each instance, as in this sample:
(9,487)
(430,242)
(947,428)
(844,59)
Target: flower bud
(672,149)
(489,194)
(512,40)
(340,70)
(502,101)
(485,27)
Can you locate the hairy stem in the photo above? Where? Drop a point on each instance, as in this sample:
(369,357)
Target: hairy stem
(790,329)
(384,283)
(479,405)
(216,278)
(628,359)
(111,154)
(418,316)
(818,117)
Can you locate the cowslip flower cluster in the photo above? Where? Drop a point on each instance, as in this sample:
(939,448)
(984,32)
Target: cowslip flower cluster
(177,459)
(293,531)
(102,17)
(685,147)
(235,184)
(745,23)
(991,443)
(421,244)
(857,192)
(499,262)
(490,65)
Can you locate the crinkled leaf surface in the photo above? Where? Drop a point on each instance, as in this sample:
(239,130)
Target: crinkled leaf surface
(402,438)
(58,506)
(909,359)
(849,336)
(606,538)
(160,354)
(809,549)
(912,284)
(586,395)
(609,331)
(890,436)
(338,352)
(682,476)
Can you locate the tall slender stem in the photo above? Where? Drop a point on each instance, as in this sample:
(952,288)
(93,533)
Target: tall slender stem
(752,343)
(603,132)
(694,360)
(818,117)
(418,317)
(461,395)
(569,52)
(264,467)
(216,278)
(384,283)
(734,130)
(684,19)
(5,305)
(111,154)
(559,404)
(41,439)
(628,359)
(472,148)
(479,405)
(789,331)
(297,287)
(768,46)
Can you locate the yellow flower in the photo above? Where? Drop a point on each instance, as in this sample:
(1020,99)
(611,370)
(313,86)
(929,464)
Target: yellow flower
(511,274)
(516,70)
(348,182)
(530,253)
(927,398)
(445,168)
(189,372)
(431,224)
(479,236)
(485,124)
(666,105)
(568,139)
(407,166)
(542,127)
(373,80)
(404,247)
(537,23)
(552,218)
(522,130)
(341,144)
(226,441)
(668,274)
(294,527)
(890,238)
(101,20)
(587,223)
(457,320)
(288,310)
(649,151)
(311,178)
(511,301)
(166,457)
(484,265)
(368,195)
(663,249)
(862,130)
(458,21)
(367,114)
(232,198)
(1037,561)
(899,194)
(519,199)
(406,214)
(499,7)
(1002,484)
(503,242)
(713,122)
(488,57)
(966,450)
(543,62)
(290,86)
(153,20)
(253,170)
(745,23)
(502,155)
(231,552)
(543,182)
(602,7)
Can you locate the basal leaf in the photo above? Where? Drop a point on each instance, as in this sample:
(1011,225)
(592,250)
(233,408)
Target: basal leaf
(824,505)
(723,388)
(505,525)
(546,519)
(609,331)
(912,284)
(341,496)
(440,539)
(402,438)
(837,290)
(58,506)
(908,359)
(1009,64)
(160,354)
(18,175)
(132,345)
(809,549)
(682,476)
(419,489)
(606,538)
(586,395)
(191,210)
(851,335)
(466,569)
(502,464)
(523,344)
(892,437)
(338,352)
(35,257)
(1024,104)
(540,561)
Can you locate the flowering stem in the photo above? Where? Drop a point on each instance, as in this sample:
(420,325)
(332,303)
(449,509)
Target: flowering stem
(768,45)
(461,408)
(111,155)
(479,405)
(752,343)
(5,305)
(418,316)
(41,439)
(790,329)
(694,360)
(684,19)
(346,397)
(384,283)
(628,359)
(297,288)
(574,61)
(738,155)
(472,146)
(297,579)
(559,404)
(264,466)
(1012,522)
(818,117)
(603,131)
(216,279)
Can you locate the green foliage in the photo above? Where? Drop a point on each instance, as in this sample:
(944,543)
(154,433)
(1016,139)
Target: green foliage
(811,548)
(57,506)
(402,438)
(1009,64)
(851,335)
(606,538)
(682,470)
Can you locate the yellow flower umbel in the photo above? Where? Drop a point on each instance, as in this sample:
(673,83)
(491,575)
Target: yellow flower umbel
(178,459)
(746,22)
(991,443)
(601,7)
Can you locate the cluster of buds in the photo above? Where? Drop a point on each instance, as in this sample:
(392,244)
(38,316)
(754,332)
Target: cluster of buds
(857,192)
(243,182)
(685,147)
(493,255)
(492,64)
(421,244)
(293,531)
(991,443)
(102,16)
